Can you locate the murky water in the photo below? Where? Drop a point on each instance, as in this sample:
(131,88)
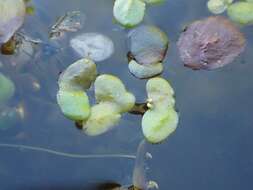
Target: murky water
(211,149)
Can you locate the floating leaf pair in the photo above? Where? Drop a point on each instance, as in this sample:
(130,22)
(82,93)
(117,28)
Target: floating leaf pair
(161,119)
(112,100)
(129,13)
(148,47)
(71,96)
(111,97)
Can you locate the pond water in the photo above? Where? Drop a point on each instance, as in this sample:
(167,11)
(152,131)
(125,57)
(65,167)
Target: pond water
(211,149)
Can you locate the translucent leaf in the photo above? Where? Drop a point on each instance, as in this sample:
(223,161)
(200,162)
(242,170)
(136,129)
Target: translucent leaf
(148,44)
(104,116)
(93,45)
(7,89)
(241,12)
(145,71)
(78,76)
(109,88)
(160,92)
(129,12)
(158,124)
(12,14)
(74,104)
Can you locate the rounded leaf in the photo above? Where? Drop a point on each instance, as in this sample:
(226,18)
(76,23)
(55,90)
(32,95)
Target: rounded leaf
(210,43)
(148,44)
(74,104)
(145,71)
(109,88)
(78,76)
(129,12)
(160,92)
(241,12)
(95,46)
(158,124)
(216,6)
(104,116)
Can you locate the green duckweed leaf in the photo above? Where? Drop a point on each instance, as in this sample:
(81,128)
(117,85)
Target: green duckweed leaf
(74,104)
(104,116)
(160,92)
(129,12)
(145,71)
(7,89)
(109,88)
(78,76)
(72,99)
(218,6)
(161,119)
(158,124)
(241,12)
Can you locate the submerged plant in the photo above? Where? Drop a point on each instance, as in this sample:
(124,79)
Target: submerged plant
(70,22)
(95,46)
(7,89)
(210,43)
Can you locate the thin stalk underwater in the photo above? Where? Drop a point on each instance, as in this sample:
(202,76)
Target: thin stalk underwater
(65,154)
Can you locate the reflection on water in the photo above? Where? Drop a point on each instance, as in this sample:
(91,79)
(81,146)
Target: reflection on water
(210,150)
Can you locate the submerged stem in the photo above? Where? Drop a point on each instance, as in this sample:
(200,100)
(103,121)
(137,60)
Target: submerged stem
(64,154)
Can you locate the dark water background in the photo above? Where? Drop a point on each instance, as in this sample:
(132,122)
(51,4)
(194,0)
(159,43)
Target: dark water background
(211,149)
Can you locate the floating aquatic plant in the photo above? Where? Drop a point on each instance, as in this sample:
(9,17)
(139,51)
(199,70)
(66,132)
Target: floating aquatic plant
(95,46)
(112,100)
(241,12)
(218,6)
(12,14)
(145,71)
(148,46)
(130,13)
(210,43)
(71,96)
(111,96)
(161,119)
(7,89)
